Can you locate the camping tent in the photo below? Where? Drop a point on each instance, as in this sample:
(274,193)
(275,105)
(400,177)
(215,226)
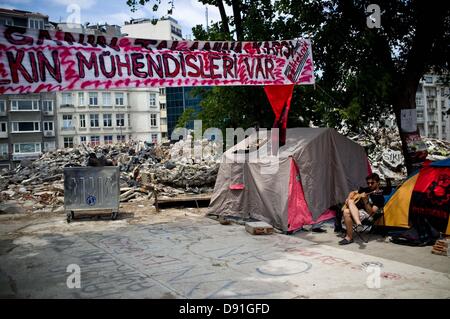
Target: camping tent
(424,194)
(314,170)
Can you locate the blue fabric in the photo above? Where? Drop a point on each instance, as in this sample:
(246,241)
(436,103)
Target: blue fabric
(443,163)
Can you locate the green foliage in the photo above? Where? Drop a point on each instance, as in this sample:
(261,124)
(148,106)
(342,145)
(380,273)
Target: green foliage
(187,116)
(360,72)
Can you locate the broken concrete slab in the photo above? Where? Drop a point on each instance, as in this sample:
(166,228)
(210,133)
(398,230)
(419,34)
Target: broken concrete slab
(11,207)
(259,228)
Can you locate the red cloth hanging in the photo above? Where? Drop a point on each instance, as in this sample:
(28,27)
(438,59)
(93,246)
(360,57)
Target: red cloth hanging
(280,99)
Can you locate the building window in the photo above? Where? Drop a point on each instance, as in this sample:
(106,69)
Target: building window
(163,121)
(82,120)
(27,148)
(3,150)
(47,106)
(420,114)
(2,106)
(155,138)
(162,91)
(83,139)
(419,101)
(48,126)
(107,120)
(67,121)
(94,120)
(121,138)
(3,127)
(95,140)
(152,102)
(6,21)
(35,24)
(68,142)
(119,99)
(49,146)
(26,127)
(120,120)
(25,105)
(81,98)
(108,139)
(428,79)
(66,99)
(162,106)
(106,96)
(153,120)
(93,98)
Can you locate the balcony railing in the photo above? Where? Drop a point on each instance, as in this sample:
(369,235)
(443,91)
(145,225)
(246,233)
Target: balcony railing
(48,113)
(66,105)
(21,156)
(49,133)
(68,128)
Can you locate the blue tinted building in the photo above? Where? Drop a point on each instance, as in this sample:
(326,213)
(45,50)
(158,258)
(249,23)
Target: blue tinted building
(179,99)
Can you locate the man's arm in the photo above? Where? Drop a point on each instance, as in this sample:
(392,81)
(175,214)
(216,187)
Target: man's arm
(370,209)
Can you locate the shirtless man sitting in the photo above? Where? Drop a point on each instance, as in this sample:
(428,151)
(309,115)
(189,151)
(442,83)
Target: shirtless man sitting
(360,205)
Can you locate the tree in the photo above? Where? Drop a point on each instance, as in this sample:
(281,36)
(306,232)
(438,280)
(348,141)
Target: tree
(379,68)
(361,72)
(186,117)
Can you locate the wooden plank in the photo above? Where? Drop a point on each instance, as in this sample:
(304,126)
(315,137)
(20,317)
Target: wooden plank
(183,198)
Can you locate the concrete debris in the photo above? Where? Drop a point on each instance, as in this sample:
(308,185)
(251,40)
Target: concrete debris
(169,169)
(11,207)
(384,150)
(183,168)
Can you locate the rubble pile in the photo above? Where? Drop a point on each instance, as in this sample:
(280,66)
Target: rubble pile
(192,167)
(172,170)
(384,150)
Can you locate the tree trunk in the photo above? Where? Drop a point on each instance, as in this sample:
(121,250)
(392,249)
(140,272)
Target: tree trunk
(431,17)
(224,17)
(236,4)
(405,99)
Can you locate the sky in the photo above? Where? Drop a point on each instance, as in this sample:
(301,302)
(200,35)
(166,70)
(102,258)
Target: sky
(188,13)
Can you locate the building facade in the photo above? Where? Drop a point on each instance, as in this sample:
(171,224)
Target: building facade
(106,117)
(27,121)
(164,29)
(180,99)
(432,106)
(27,127)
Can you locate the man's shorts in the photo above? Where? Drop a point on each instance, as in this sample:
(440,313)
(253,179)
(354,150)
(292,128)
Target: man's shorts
(363,214)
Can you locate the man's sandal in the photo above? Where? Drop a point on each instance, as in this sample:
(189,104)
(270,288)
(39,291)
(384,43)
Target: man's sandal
(345,241)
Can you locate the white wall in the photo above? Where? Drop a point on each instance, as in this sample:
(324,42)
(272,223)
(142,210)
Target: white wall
(140,114)
(160,31)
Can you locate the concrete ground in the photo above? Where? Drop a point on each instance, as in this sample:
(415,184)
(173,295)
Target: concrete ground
(179,253)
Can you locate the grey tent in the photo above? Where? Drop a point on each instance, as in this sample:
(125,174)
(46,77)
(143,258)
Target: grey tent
(314,170)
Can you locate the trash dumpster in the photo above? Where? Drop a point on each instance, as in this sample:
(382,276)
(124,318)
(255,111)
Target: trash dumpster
(91,189)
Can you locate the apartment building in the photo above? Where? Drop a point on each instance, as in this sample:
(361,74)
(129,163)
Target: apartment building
(105,117)
(27,121)
(166,28)
(27,127)
(163,29)
(433,105)
(24,19)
